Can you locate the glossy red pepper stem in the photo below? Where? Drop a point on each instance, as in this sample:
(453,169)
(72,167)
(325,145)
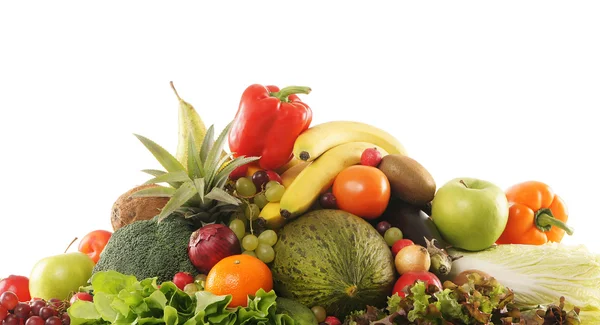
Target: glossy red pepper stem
(283,94)
(544,221)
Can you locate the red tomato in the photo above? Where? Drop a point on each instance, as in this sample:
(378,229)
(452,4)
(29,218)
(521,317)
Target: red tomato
(409,278)
(93,243)
(81,296)
(400,244)
(362,190)
(18,284)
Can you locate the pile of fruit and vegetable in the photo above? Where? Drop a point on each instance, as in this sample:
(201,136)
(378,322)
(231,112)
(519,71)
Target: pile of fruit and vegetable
(276,220)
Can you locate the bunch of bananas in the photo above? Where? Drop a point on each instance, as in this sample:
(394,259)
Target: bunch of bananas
(322,152)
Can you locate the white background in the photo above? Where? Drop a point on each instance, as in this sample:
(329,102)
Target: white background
(504,91)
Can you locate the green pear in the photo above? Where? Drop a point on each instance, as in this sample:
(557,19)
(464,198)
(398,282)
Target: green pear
(60,275)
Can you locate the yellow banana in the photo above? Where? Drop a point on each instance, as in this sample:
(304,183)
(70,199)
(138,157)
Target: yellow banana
(189,123)
(321,137)
(269,217)
(318,177)
(293,162)
(288,177)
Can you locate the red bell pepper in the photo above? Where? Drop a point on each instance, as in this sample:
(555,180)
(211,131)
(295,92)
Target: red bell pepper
(267,123)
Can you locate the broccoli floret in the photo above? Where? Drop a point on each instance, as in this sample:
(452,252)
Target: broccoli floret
(148,248)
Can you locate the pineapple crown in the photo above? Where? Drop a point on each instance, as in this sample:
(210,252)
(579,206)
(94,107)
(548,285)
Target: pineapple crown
(199,186)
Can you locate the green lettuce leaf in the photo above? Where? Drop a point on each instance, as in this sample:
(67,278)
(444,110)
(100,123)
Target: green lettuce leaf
(84,312)
(450,307)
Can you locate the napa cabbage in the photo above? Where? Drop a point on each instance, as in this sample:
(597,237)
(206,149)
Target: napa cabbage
(540,274)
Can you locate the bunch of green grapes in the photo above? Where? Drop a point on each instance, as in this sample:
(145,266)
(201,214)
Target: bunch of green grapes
(260,246)
(258,190)
(262,187)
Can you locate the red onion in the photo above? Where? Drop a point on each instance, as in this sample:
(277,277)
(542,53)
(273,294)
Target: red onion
(210,244)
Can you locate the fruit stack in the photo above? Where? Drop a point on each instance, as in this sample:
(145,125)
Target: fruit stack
(308,224)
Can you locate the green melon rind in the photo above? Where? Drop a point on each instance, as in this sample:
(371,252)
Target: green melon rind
(324,253)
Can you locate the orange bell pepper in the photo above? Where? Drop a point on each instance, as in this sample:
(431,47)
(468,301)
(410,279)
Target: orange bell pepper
(536,215)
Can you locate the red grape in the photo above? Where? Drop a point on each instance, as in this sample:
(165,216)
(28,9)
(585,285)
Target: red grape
(47,312)
(54,320)
(328,201)
(382,227)
(11,319)
(35,320)
(66,320)
(56,303)
(260,178)
(3,313)
(9,300)
(370,157)
(22,310)
(36,305)
(274,176)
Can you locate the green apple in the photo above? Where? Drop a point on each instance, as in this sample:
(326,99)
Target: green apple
(470,213)
(60,275)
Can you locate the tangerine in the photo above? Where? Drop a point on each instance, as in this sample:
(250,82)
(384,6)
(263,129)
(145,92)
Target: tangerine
(239,276)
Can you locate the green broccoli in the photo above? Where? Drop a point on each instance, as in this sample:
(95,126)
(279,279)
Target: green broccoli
(148,248)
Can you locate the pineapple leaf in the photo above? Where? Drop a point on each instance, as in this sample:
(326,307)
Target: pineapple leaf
(223,175)
(212,176)
(158,191)
(207,143)
(222,196)
(154,172)
(185,192)
(194,166)
(213,155)
(173,177)
(170,163)
(199,183)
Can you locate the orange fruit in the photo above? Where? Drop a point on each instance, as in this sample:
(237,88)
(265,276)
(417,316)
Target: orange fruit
(239,276)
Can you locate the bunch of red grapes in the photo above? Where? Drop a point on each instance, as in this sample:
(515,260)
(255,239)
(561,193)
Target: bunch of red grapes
(34,312)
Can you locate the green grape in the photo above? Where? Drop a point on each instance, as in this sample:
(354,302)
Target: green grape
(320,313)
(275,192)
(268,237)
(245,187)
(251,253)
(252,211)
(265,253)
(200,278)
(249,242)
(261,200)
(271,183)
(191,288)
(238,227)
(392,235)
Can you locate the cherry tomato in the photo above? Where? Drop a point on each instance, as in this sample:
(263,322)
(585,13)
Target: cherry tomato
(400,244)
(93,243)
(81,296)
(18,284)
(362,190)
(409,278)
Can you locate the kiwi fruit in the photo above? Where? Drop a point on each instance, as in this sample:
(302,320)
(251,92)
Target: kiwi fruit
(128,209)
(409,180)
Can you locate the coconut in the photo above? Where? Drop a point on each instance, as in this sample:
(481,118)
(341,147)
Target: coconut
(128,209)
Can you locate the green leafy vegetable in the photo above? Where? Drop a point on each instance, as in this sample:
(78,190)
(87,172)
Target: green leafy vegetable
(540,274)
(122,299)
